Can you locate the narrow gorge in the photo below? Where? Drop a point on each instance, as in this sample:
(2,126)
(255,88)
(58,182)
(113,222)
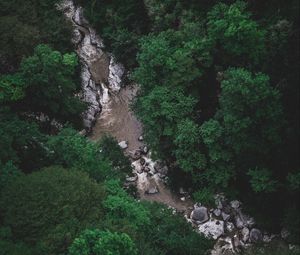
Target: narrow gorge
(109,113)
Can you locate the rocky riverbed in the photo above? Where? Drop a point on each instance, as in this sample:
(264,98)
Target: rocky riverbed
(109,113)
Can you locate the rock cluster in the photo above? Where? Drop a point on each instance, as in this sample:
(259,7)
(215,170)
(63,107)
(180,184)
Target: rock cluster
(227,224)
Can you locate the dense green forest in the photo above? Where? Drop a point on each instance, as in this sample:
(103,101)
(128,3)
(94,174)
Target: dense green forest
(219,103)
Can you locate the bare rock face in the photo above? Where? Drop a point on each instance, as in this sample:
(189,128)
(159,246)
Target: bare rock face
(200,214)
(255,235)
(212,229)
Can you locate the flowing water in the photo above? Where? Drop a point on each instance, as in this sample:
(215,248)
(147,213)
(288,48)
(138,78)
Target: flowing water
(109,112)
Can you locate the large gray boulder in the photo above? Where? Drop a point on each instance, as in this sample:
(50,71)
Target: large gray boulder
(213,228)
(200,214)
(123,145)
(255,235)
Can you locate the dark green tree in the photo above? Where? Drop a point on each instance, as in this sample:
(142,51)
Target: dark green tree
(97,242)
(49,208)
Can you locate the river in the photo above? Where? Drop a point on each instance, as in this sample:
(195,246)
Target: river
(109,113)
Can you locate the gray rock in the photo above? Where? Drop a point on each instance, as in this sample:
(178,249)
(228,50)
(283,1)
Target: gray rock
(145,149)
(200,214)
(284,233)
(255,235)
(225,216)
(229,226)
(235,204)
(152,190)
(123,145)
(182,191)
(141,138)
(132,178)
(245,234)
(238,222)
(217,212)
(163,170)
(213,228)
(136,154)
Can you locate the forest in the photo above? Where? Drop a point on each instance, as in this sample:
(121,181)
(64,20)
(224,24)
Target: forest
(218,100)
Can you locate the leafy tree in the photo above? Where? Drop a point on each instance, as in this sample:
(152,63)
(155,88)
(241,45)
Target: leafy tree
(188,142)
(172,234)
(249,110)
(11,88)
(23,25)
(49,78)
(261,180)
(236,33)
(8,172)
(72,150)
(173,58)
(20,141)
(111,151)
(97,242)
(49,208)
(160,111)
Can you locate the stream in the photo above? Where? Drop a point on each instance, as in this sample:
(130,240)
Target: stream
(109,113)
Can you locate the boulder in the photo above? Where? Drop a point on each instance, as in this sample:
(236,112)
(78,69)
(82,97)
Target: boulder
(217,212)
(144,149)
(163,170)
(136,154)
(245,234)
(142,161)
(182,191)
(152,190)
(225,216)
(146,169)
(132,178)
(284,233)
(255,235)
(235,204)
(137,166)
(213,228)
(123,145)
(141,138)
(229,226)
(200,214)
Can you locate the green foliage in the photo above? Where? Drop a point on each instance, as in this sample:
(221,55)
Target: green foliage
(23,25)
(72,150)
(235,32)
(172,234)
(50,207)
(8,172)
(49,78)
(249,110)
(111,151)
(173,58)
(261,180)
(120,23)
(188,141)
(204,196)
(126,212)
(160,111)
(20,141)
(294,181)
(11,88)
(96,242)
